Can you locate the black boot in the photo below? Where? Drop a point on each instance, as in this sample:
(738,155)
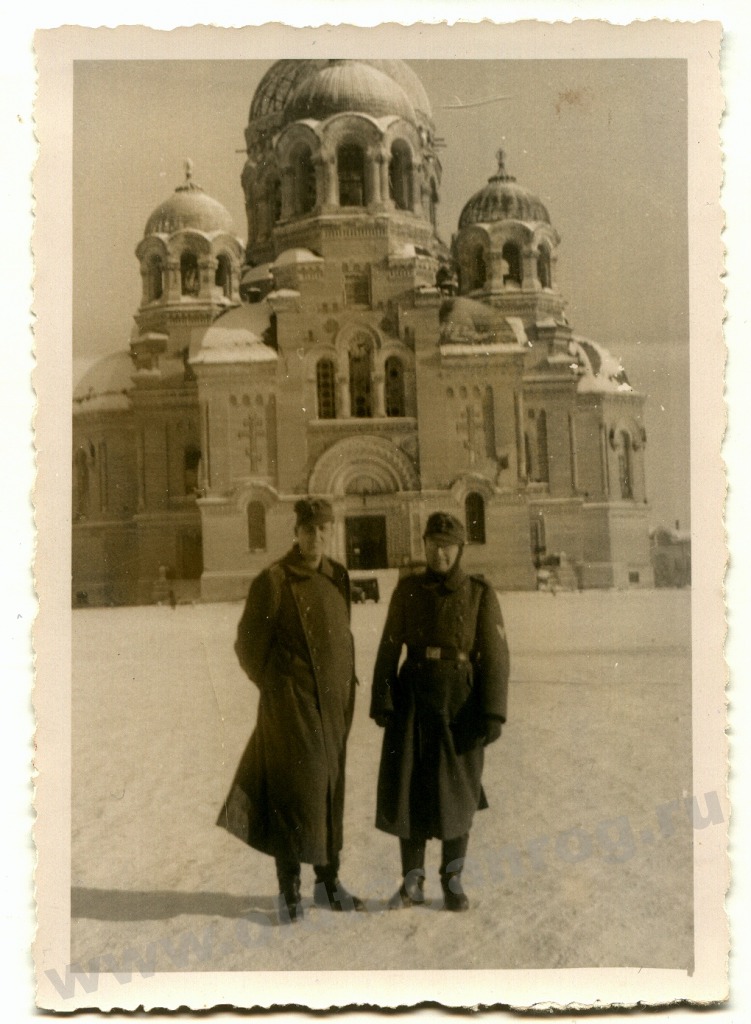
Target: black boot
(290,904)
(452,865)
(454,896)
(411,892)
(329,891)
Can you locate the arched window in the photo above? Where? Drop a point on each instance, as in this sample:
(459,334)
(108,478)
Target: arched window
(351,171)
(155,285)
(400,176)
(537,539)
(360,375)
(326,389)
(478,271)
(305,181)
(512,257)
(256,526)
(189,279)
(223,276)
(543,268)
(624,466)
(191,462)
(474,512)
(81,465)
(543,474)
(275,200)
(433,204)
(394,386)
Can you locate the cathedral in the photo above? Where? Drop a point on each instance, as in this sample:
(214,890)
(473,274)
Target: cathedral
(347,351)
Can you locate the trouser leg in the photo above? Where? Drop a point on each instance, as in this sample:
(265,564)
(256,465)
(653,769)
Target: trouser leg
(288,876)
(453,853)
(410,892)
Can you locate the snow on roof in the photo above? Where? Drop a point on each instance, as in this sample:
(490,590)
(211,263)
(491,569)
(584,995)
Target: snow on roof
(238,336)
(602,373)
(495,348)
(105,385)
(297,255)
(517,326)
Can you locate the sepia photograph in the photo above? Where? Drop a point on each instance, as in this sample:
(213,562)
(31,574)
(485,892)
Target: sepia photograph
(386,568)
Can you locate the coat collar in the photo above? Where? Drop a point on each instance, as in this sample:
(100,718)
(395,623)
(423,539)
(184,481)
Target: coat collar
(451,581)
(295,566)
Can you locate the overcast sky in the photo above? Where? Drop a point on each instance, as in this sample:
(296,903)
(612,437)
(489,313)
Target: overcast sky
(602,142)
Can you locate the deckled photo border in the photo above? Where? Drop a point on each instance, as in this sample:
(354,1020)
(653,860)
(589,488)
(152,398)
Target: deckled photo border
(56,50)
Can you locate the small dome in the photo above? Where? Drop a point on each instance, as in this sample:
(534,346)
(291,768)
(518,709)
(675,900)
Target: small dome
(503,199)
(189,207)
(105,384)
(348,85)
(291,257)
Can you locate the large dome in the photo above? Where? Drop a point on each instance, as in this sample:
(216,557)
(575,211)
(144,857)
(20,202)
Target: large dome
(503,199)
(106,384)
(283,78)
(348,85)
(189,207)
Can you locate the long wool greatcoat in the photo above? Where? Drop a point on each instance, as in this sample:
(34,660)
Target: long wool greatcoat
(295,644)
(429,783)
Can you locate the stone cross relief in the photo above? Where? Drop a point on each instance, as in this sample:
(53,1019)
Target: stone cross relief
(471,427)
(254,433)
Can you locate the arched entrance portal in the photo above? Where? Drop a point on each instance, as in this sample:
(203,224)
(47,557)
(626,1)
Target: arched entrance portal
(370,480)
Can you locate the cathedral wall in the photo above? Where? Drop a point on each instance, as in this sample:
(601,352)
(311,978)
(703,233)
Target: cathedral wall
(505,559)
(104,564)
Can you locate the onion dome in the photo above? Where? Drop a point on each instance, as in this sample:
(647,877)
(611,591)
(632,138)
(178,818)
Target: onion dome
(404,76)
(106,385)
(348,85)
(189,207)
(282,79)
(503,199)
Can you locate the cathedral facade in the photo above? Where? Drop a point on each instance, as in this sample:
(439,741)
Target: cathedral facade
(347,351)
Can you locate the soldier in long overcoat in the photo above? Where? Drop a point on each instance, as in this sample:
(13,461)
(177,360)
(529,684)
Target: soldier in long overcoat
(294,642)
(439,710)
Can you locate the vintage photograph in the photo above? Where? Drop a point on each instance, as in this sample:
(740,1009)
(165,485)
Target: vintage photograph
(381,522)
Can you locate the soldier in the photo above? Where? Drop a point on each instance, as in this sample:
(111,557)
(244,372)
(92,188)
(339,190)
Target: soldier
(439,711)
(295,644)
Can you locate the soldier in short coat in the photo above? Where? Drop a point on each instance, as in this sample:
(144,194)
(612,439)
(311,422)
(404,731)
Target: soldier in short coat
(294,642)
(439,710)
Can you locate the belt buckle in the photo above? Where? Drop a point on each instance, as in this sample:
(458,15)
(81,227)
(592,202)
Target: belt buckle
(433,653)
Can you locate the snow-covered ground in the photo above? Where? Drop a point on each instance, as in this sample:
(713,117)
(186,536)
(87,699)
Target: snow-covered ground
(581,860)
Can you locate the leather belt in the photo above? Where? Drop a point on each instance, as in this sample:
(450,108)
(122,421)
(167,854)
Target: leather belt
(436,654)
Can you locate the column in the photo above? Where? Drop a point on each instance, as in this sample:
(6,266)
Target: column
(415,170)
(521,461)
(379,394)
(604,461)
(530,280)
(344,410)
(288,199)
(572,451)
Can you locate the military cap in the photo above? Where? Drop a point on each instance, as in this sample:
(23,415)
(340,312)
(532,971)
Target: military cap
(313,512)
(446,527)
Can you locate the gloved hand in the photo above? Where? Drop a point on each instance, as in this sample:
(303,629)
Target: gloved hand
(492,730)
(383,719)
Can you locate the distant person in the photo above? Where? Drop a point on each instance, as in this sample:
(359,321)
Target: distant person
(295,644)
(439,711)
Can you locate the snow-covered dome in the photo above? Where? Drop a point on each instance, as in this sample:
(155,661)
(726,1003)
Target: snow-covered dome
(189,207)
(503,199)
(282,81)
(348,85)
(106,385)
